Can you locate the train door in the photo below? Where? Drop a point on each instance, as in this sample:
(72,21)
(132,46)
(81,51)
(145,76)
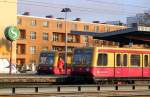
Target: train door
(146,65)
(121,67)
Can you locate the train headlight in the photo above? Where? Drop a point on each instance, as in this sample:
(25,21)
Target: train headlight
(50,68)
(87,69)
(98,72)
(80,69)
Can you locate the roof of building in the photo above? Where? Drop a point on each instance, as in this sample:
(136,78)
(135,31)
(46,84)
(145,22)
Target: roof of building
(68,20)
(137,35)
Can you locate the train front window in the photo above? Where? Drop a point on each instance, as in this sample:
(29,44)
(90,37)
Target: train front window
(50,58)
(47,58)
(43,58)
(82,57)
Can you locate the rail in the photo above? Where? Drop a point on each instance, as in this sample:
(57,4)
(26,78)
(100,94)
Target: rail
(14,89)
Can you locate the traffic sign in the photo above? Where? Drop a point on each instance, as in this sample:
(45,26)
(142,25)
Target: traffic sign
(12,33)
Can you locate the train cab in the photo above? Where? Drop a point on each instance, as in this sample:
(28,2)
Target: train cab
(47,60)
(49,63)
(82,61)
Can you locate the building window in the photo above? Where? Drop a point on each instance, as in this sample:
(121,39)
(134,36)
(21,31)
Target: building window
(74,27)
(107,28)
(45,36)
(33,23)
(20,49)
(32,35)
(19,20)
(45,48)
(22,34)
(59,25)
(70,38)
(45,23)
(86,27)
(32,61)
(55,36)
(135,60)
(57,48)
(70,49)
(102,60)
(32,49)
(85,39)
(96,28)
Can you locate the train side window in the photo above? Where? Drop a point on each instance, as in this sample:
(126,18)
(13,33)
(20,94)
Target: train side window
(135,60)
(102,60)
(125,60)
(118,60)
(145,60)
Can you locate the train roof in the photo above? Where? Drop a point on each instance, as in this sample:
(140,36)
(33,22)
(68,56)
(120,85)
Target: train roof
(138,35)
(116,48)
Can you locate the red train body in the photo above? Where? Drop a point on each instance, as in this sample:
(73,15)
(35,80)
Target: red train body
(100,62)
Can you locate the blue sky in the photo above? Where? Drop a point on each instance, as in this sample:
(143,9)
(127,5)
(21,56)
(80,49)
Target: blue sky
(87,10)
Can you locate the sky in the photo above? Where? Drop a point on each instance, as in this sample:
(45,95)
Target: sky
(87,10)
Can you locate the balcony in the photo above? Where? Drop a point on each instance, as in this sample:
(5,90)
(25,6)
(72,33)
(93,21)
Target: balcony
(21,56)
(21,41)
(68,44)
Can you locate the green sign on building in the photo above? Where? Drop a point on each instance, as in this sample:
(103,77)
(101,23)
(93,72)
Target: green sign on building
(12,33)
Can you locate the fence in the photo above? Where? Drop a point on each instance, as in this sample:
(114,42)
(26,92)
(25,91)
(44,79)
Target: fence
(23,89)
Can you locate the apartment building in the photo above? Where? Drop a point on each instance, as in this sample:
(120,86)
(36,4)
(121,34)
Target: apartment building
(48,33)
(140,19)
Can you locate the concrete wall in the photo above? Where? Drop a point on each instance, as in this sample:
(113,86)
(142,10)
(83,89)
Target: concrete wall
(8,10)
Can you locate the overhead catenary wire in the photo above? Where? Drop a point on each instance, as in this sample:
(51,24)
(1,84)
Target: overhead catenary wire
(76,9)
(79,9)
(119,4)
(83,9)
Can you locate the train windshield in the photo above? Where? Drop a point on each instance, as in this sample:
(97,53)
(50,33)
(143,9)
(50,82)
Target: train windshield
(82,56)
(47,58)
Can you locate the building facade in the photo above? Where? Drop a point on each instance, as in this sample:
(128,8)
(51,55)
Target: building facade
(38,34)
(7,18)
(141,19)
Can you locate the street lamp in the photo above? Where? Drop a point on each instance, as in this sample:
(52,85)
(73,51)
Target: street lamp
(66,10)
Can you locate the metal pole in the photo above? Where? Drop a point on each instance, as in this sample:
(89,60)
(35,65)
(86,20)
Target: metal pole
(66,40)
(66,36)
(10,63)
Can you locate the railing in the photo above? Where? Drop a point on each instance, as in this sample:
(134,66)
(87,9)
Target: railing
(68,88)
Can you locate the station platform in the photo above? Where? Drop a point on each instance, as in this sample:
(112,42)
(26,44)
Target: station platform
(30,78)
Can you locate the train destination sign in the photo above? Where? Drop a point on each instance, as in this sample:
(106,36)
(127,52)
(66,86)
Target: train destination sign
(12,33)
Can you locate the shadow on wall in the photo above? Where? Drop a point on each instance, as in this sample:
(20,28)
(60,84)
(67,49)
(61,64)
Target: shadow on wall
(4,46)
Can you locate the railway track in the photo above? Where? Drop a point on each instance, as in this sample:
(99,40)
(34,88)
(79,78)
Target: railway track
(85,94)
(36,88)
(29,78)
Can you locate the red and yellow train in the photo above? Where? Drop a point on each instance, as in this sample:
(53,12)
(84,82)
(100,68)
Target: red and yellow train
(106,63)
(111,63)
